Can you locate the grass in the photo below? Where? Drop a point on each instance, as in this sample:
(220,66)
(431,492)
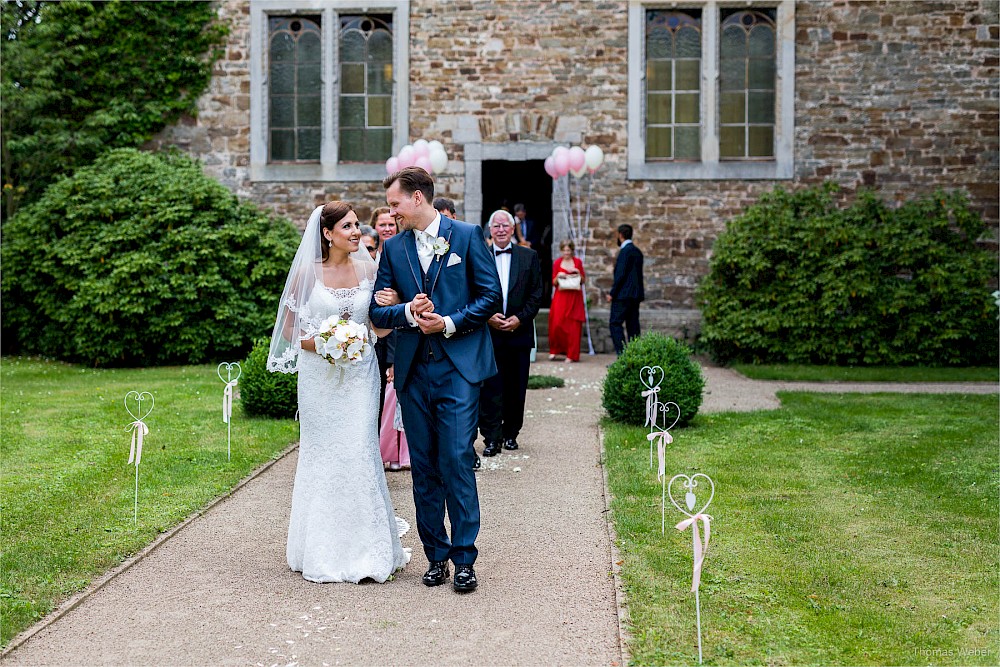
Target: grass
(544,381)
(67,491)
(802,373)
(848,530)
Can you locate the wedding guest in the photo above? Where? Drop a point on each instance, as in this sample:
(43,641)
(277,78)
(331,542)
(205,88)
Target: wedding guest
(445,207)
(501,407)
(567,313)
(525,227)
(370,239)
(385,225)
(627,291)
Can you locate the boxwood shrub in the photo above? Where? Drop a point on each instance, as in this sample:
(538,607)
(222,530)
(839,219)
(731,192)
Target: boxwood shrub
(683,382)
(263,393)
(139,259)
(797,278)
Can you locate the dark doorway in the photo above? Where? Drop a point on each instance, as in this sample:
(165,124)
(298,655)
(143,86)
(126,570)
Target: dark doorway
(508,182)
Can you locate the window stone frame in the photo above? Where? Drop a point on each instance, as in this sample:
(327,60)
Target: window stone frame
(710,167)
(327,169)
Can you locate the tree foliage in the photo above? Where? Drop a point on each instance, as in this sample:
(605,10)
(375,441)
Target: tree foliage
(796,278)
(140,259)
(81,77)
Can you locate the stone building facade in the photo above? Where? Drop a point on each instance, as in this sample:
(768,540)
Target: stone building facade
(896,95)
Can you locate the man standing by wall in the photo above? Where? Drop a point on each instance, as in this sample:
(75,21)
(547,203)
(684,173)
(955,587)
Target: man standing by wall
(501,407)
(627,291)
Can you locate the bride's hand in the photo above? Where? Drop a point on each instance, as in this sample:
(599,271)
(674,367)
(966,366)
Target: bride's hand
(387,297)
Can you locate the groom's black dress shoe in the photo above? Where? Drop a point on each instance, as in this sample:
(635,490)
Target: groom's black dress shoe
(492,448)
(510,443)
(436,574)
(465,579)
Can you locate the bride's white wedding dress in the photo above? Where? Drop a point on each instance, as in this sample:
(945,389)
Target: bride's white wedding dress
(342,527)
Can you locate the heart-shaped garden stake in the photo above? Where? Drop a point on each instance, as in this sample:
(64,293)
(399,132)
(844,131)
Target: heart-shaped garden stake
(227,400)
(139,431)
(690,485)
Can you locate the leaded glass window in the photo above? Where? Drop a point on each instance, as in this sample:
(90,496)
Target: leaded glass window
(673,89)
(747,84)
(366,87)
(295,66)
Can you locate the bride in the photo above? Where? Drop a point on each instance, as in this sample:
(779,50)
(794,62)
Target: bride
(342,526)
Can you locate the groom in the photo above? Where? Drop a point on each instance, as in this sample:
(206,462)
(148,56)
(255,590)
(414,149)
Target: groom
(448,283)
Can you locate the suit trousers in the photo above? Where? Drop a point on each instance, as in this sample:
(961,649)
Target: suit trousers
(440,411)
(501,405)
(623,311)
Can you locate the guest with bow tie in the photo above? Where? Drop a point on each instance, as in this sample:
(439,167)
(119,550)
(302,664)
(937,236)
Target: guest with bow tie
(501,407)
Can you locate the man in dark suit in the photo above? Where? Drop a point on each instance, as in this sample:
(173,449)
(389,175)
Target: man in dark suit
(447,282)
(526,226)
(501,408)
(627,291)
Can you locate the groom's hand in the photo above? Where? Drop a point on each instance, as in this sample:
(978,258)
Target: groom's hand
(430,323)
(420,305)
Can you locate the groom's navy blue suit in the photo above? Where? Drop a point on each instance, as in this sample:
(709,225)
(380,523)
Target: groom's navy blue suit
(438,378)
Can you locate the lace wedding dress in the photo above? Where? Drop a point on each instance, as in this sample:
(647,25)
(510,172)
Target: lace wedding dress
(342,527)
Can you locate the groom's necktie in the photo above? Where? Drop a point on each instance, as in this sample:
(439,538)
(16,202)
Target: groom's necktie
(425,249)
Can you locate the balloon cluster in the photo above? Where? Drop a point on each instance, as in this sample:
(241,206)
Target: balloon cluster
(574,161)
(428,155)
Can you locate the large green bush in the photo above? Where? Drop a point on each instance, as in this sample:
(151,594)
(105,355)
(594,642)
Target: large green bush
(682,383)
(798,279)
(80,77)
(140,259)
(263,393)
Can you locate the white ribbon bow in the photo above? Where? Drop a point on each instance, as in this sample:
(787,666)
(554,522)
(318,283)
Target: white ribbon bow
(700,550)
(139,429)
(651,395)
(227,402)
(663,438)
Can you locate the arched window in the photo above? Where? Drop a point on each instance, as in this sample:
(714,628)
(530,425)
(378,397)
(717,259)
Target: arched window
(673,89)
(746,84)
(295,89)
(366,84)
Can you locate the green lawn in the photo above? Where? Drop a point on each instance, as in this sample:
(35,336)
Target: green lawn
(67,491)
(802,373)
(848,530)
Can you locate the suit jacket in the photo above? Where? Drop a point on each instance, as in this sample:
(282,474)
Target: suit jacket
(628,274)
(524,297)
(462,283)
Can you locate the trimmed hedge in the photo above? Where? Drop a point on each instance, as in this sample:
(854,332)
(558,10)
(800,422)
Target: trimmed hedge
(797,279)
(141,260)
(682,384)
(267,394)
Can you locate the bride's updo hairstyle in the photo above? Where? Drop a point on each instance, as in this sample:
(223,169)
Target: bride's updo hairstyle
(332,213)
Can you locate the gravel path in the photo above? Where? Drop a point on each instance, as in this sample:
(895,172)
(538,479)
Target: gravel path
(217,590)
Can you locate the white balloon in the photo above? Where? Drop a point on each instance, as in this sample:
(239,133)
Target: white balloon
(435,145)
(439,159)
(593,157)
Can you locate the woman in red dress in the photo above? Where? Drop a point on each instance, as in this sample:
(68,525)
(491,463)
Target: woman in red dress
(566,314)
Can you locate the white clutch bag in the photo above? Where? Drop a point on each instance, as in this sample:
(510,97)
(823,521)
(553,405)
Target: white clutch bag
(568,281)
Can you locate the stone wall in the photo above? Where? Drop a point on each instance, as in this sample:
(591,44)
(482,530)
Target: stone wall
(895,95)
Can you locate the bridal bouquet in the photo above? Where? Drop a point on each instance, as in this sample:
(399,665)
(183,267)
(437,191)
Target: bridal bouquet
(342,342)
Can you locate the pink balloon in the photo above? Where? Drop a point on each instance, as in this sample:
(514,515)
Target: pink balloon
(559,150)
(577,158)
(392,165)
(561,163)
(406,157)
(421,149)
(550,167)
(424,163)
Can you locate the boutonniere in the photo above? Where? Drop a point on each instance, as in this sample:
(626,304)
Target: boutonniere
(441,246)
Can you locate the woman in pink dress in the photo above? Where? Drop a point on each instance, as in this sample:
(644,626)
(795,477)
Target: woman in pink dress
(391,439)
(566,314)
